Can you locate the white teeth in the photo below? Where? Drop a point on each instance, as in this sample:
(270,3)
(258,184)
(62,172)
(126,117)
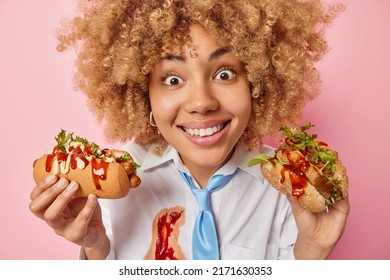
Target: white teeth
(204,131)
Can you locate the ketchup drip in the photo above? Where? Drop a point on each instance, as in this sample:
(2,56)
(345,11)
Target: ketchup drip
(88,150)
(297,172)
(99,167)
(49,162)
(298,179)
(50,158)
(77,153)
(56,150)
(164,230)
(61,156)
(299,162)
(57,154)
(99,171)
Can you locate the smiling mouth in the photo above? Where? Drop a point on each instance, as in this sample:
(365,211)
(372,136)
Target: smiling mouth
(204,132)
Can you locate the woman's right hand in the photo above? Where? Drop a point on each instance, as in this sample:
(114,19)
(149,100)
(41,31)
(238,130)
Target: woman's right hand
(79,220)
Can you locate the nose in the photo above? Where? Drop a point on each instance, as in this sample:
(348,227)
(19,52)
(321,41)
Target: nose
(201,99)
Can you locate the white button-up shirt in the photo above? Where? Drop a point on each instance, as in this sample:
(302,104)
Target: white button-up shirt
(253,220)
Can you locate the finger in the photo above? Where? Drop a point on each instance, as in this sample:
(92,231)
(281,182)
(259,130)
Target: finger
(85,215)
(54,215)
(296,207)
(43,185)
(77,232)
(41,202)
(341,206)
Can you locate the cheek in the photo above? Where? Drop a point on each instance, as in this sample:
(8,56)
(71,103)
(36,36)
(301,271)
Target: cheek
(164,108)
(241,106)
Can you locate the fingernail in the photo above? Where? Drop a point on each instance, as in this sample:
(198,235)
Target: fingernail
(61,183)
(72,186)
(50,179)
(91,198)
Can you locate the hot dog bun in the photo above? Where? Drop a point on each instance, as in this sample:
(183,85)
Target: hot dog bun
(306,168)
(310,199)
(105,173)
(116,185)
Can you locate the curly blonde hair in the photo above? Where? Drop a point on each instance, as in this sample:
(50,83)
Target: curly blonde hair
(119,41)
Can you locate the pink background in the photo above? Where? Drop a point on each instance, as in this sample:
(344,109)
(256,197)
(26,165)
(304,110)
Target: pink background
(38,99)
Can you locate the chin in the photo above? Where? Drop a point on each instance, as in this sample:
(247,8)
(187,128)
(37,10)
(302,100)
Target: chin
(206,158)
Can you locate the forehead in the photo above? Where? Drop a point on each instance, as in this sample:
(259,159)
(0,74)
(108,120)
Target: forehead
(195,41)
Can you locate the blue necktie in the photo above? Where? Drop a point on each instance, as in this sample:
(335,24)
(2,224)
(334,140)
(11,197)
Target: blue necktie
(204,239)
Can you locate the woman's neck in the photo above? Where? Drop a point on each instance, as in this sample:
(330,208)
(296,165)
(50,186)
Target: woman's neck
(202,177)
(202,174)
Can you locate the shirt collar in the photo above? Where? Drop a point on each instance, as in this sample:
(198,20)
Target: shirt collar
(153,160)
(239,160)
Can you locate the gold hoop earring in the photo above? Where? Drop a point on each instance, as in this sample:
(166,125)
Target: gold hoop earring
(255,93)
(151,120)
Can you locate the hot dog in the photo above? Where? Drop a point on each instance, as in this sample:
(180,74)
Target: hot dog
(103,172)
(306,168)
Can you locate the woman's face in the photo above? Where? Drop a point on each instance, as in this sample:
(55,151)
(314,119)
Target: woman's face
(201,102)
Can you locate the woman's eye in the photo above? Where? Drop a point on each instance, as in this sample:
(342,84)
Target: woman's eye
(172,80)
(225,75)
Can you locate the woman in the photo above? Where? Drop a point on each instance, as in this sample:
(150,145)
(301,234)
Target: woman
(194,86)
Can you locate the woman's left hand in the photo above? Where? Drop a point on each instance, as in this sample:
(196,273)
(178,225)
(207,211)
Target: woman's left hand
(319,233)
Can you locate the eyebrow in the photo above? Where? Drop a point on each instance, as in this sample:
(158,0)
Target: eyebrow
(214,55)
(218,53)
